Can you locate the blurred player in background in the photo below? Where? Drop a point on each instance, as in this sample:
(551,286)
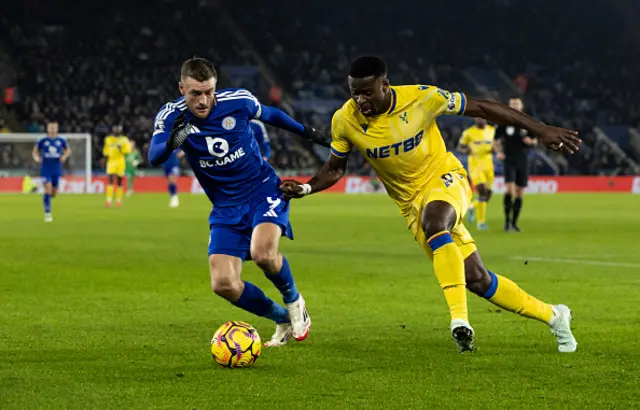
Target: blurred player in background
(395,130)
(50,151)
(478,143)
(171,170)
(516,143)
(249,214)
(262,138)
(132,160)
(116,147)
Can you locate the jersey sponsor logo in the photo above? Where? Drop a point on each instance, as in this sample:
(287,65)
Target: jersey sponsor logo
(395,149)
(228,123)
(364,127)
(218,147)
(51,152)
(207,163)
(403,118)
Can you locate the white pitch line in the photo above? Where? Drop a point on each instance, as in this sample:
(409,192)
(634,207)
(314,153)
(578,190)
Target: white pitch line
(578,261)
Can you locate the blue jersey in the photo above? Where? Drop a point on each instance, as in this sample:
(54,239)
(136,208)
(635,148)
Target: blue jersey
(221,148)
(51,150)
(261,136)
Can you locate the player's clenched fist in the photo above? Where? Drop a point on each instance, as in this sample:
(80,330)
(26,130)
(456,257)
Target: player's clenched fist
(294,189)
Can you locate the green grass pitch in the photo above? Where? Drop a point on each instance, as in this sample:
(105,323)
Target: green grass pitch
(112,309)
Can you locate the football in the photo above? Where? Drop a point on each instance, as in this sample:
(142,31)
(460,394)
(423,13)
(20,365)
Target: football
(236,344)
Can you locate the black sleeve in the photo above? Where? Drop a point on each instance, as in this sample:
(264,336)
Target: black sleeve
(499,133)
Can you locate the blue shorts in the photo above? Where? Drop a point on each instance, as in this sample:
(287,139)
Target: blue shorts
(52,179)
(231,227)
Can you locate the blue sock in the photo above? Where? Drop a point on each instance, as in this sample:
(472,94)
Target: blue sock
(173,189)
(283,280)
(255,301)
(47,203)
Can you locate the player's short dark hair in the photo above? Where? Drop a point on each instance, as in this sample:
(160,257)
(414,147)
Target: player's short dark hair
(367,66)
(199,69)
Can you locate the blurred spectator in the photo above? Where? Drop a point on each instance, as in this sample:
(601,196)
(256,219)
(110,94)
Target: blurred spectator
(92,65)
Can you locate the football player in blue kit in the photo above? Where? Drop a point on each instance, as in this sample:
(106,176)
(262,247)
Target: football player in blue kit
(51,152)
(171,170)
(250,213)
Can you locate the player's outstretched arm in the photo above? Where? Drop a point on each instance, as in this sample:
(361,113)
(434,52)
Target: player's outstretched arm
(280,119)
(555,138)
(330,173)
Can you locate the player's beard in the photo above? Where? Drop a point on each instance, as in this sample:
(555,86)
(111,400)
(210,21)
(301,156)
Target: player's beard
(201,111)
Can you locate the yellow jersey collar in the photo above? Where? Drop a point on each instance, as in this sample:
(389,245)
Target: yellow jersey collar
(393,101)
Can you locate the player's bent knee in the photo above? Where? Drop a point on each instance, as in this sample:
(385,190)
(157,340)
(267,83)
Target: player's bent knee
(225,276)
(266,258)
(227,287)
(438,216)
(476,275)
(264,247)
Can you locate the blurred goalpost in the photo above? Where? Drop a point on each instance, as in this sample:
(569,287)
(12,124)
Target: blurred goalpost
(16,160)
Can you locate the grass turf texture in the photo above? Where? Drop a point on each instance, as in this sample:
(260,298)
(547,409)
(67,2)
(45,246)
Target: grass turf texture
(111,308)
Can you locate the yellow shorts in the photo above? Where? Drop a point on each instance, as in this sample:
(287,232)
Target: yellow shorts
(116,168)
(482,176)
(453,188)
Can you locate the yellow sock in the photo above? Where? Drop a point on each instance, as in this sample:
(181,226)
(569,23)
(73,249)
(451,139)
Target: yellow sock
(109,192)
(448,266)
(481,212)
(119,193)
(505,293)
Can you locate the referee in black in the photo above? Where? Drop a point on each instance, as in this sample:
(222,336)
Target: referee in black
(515,145)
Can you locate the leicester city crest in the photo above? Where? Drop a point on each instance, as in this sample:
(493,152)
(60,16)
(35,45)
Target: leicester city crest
(228,123)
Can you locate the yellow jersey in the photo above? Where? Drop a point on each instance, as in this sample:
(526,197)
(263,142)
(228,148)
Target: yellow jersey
(403,145)
(480,143)
(115,148)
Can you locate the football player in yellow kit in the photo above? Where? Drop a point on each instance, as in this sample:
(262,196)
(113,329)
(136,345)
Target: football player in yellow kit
(395,130)
(478,142)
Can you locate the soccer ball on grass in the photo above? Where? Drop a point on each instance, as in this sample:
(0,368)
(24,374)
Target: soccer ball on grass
(236,344)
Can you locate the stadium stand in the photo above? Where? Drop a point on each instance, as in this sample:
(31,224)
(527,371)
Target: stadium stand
(95,72)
